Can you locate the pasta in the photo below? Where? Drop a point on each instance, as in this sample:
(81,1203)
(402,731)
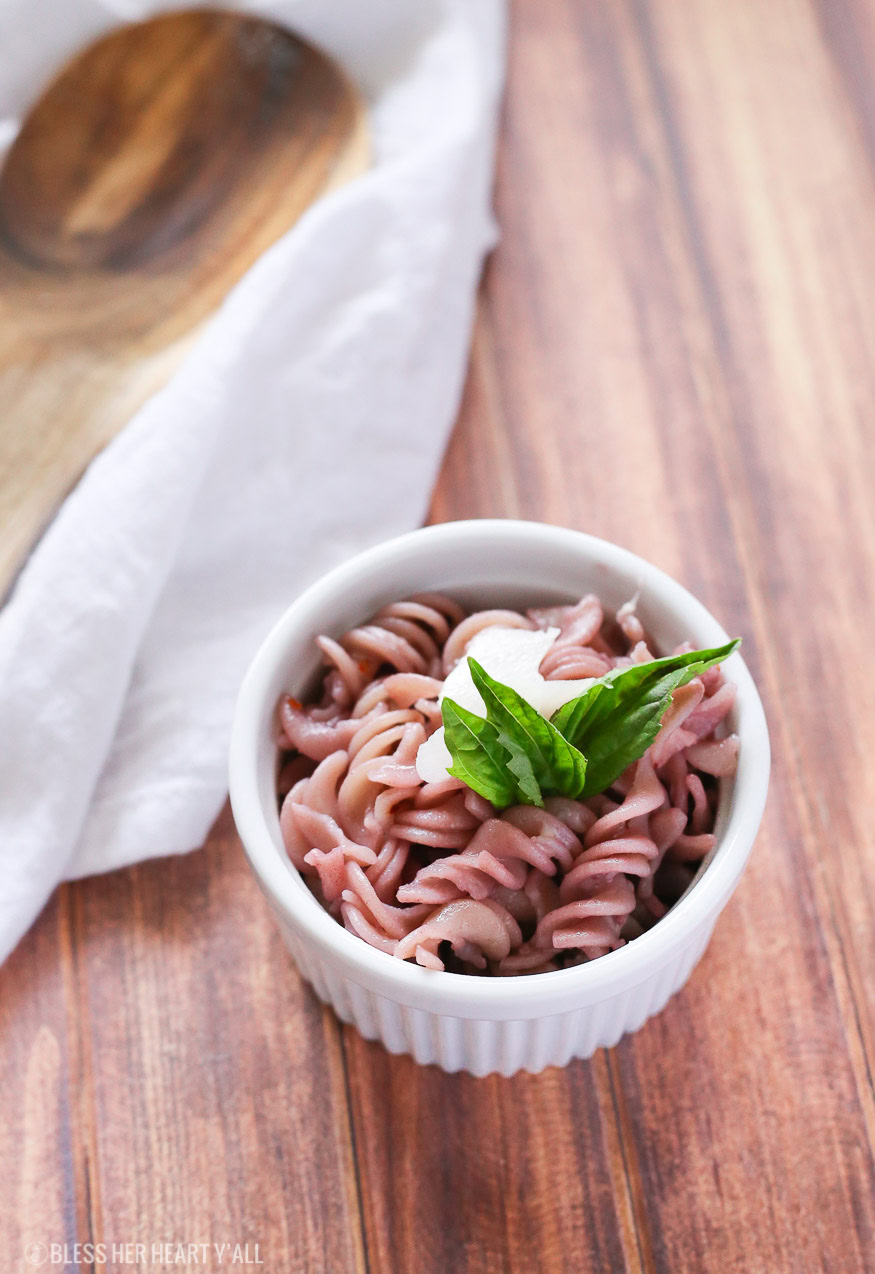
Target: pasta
(430,871)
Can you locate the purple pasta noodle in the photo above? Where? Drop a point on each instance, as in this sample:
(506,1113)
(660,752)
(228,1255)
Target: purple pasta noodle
(430,871)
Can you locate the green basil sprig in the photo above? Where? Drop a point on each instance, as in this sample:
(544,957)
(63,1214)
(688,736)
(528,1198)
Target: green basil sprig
(519,751)
(615,721)
(478,758)
(515,756)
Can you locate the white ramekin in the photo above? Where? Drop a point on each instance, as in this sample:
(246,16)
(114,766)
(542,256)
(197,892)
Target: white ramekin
(456,1021)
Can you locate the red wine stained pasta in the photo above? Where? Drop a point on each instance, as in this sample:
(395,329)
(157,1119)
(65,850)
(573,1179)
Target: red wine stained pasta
(431,871)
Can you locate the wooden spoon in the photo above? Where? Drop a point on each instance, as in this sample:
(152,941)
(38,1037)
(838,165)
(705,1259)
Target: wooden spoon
(154,170)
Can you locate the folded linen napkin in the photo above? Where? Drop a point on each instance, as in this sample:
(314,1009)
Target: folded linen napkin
(308,422)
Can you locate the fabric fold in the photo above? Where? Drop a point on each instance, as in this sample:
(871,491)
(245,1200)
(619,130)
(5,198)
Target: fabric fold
(307,422)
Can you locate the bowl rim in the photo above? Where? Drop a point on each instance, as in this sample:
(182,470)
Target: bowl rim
(512,996)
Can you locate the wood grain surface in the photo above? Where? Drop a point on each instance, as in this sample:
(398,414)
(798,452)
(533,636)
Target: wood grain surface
(156,167)
(673,350)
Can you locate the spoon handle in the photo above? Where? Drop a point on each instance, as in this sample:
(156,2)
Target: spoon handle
(154,170)
(59,408)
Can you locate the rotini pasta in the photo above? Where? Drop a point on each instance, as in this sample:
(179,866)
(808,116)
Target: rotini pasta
(430,871)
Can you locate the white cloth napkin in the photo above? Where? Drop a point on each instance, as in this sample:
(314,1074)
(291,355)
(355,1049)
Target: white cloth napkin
(307,423)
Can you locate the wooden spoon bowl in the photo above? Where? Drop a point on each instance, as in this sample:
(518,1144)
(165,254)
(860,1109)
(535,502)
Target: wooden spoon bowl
(154,170)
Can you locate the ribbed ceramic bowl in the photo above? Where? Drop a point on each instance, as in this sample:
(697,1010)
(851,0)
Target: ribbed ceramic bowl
(456,1021)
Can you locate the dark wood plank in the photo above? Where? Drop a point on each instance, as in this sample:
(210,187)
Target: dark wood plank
(173,1079)
(488,1174)
(671,354)
(43,1174)
(776,194)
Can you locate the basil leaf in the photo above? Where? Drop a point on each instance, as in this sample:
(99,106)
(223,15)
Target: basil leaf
(614,722)
(478,758)
(542,761)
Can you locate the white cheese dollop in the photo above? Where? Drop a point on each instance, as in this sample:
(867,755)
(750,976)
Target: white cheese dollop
(512,656)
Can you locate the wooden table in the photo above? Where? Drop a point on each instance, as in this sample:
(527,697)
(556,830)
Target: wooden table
(673,350)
